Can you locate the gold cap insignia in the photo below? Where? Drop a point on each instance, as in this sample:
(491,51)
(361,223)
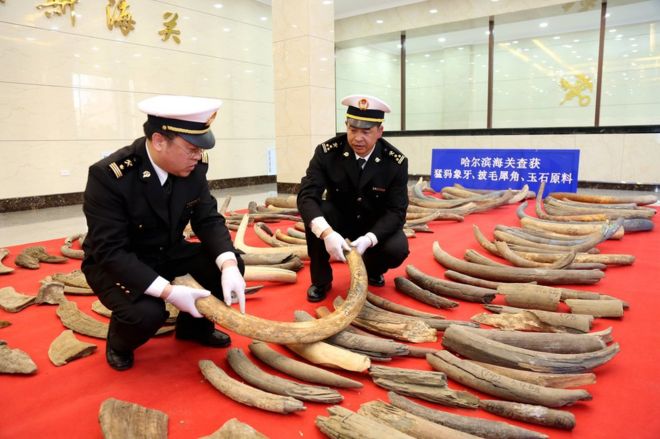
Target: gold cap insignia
(146,174)
(363,104)
(345,153)
(377,159)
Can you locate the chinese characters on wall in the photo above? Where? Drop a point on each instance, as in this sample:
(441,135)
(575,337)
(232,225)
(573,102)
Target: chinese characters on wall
(117,15)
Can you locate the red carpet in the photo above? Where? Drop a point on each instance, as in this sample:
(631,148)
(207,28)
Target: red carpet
(63,402)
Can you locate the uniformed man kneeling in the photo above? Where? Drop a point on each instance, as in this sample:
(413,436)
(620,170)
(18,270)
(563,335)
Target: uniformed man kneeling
(137,203)
(366,200)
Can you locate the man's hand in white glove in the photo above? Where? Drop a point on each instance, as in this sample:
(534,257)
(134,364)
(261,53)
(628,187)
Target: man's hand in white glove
(232,281)
(184,298)
(335,246)
(362,244)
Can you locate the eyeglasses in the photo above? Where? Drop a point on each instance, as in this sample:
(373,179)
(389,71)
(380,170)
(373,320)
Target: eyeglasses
(191,153)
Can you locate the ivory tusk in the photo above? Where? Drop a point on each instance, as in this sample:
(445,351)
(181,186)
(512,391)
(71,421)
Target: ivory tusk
(239,243)
(289,332)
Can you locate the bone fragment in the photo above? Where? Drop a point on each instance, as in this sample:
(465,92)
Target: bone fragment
(121,419)
(3,268)
(534,414)
(66,348)
(556,380)
(15,361)
(235,429)
(13,301)
(345,424)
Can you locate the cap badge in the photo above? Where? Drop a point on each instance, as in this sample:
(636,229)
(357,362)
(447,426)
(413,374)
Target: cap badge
(211,118)
(377,159)
(363,104)
(345,153)
(146,174)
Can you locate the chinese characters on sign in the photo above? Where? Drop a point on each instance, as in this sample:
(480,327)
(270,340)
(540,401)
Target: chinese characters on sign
(505,168)
(170,27)
(58,7)
(583,83)
(117,15)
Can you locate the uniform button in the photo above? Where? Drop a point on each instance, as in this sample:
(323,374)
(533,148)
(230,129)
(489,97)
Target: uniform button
(359,199)
(118,284)
(358,217)
(160,248)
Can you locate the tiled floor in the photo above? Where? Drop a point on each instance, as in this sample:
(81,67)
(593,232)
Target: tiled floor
(59,222)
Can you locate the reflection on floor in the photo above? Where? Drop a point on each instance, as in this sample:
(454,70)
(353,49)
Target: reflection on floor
(59,222)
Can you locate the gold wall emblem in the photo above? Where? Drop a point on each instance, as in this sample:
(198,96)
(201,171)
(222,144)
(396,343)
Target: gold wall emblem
(582,84)
(363,104)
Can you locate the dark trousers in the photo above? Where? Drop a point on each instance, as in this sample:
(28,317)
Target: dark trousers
(388,253)
(133,323)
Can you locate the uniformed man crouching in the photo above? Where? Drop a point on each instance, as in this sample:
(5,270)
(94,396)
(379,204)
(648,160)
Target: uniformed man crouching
(137,203)
(367,196)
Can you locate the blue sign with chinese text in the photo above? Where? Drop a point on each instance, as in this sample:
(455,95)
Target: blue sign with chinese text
(506,168)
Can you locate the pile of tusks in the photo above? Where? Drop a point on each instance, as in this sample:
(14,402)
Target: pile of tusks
(531,361)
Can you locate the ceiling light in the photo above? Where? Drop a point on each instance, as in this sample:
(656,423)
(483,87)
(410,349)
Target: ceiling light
(544,24)
(218,5)
(433,11)
(442,39)
(379,21)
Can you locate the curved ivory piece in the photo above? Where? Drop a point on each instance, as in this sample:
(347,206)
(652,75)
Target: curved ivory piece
(40,253)
(121,419)
(555,380)
(66,347)
(266,235)
(438,215)
(15,361)
(267,259)
(239,243)
(532,413)
(596,308)
(269,274)
(477,347)
(465,279)
(605,199)
(567,228)
(448,288)
(66,249)
(295,233)
(547,300)
(559,206)
(487,381)
(408,423)
(3,268)
(437,203)
(253,375)
(516,274)
(398,308)
(565,293)
(520,194)
(329,355)
(289,332)
(245,394)
(409,288)
(469,424)
(75,278)
(279,235)
(299,369)
(483,206)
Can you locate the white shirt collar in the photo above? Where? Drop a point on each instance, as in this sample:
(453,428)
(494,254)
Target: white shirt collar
(366,157)
(160,172)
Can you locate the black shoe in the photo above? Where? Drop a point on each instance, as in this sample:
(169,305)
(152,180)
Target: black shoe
(215,339)
(317,293)
(376,281)
(118,360)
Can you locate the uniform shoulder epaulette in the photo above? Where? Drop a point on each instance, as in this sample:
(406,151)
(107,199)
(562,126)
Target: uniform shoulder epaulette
(327,147)
(205,157)
(119,167)
(397,156)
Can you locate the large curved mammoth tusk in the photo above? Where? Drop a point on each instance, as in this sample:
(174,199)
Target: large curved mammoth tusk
(239,243)
(289,332)
(605,199)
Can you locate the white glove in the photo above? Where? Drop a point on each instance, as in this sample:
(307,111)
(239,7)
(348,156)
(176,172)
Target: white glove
(184,298)
(233,282)
(335,246)
(362,244)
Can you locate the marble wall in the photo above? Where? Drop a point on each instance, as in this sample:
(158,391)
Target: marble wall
(68,93)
